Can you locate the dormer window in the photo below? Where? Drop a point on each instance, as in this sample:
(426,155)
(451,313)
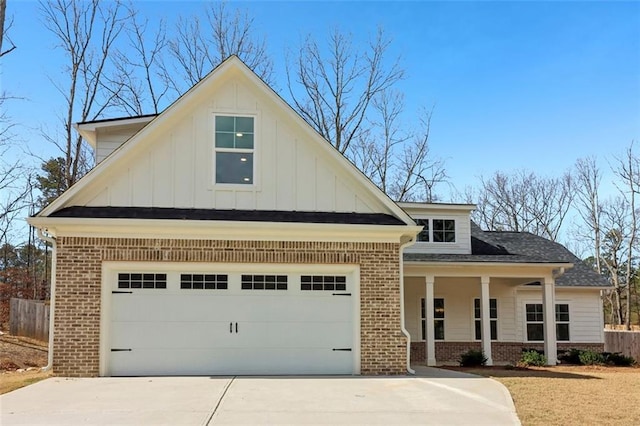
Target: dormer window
(437,230)
(234,137)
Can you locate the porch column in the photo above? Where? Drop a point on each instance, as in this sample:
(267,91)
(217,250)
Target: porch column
(485,319)
(430,345)
(549,317)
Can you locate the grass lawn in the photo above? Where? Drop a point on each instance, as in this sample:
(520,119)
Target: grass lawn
(14,380)
(568,395)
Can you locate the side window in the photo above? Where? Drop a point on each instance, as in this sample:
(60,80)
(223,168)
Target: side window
(424,234)
(444,231)
(493,315)
(438,318)
(562,322)
(535,324)
(234,146)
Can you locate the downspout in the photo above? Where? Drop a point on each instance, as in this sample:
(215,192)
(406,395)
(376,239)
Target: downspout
(52,297)
(402,327)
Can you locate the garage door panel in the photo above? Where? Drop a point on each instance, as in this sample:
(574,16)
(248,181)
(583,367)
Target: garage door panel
(309,334)
(172,307)
(166,334)
(230,361)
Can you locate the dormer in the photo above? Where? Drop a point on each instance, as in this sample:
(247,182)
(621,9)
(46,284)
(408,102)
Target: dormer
(446,227)
(105,136)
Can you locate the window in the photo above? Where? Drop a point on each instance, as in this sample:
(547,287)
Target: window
(264,282)
(234,149)
(323,282)
(535,324)
(142,280)
(444,231)
(424,234)
(203,281)
(437,230)
(562,321)
(438,318)
(493,316)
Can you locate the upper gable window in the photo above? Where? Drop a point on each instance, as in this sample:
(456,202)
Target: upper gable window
(444,231)
(437,230)
(234,137)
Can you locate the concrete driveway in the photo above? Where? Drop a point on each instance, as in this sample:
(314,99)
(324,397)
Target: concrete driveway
(432,397)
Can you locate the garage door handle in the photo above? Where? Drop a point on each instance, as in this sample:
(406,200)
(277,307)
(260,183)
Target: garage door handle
(342,349)
(236,327)
(341,294)
(230,327)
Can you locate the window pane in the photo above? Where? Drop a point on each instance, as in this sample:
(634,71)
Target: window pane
(244,124)
(224,124)
(478,331)
(438,328)
(494,330)
(476,308)
(562,332)
(234,168)
(224,140)
(535,332)
(424,234)
(562,312)
(422,311)
(438,308)
(245,141)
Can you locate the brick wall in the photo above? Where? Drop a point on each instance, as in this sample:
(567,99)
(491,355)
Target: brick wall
(501,352)
(79,262)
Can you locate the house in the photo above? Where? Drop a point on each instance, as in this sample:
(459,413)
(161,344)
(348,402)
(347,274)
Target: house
(225,236)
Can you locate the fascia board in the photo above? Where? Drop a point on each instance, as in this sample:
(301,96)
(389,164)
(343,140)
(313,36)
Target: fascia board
(221,230)
(494,269)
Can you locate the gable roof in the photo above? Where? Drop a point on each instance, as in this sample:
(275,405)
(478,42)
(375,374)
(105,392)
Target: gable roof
(519,247)
(231,63)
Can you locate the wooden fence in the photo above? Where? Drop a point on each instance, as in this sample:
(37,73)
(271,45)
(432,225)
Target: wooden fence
(625,342)
(29,318)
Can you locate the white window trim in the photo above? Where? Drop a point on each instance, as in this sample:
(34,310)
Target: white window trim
(539,302)
(255,185)
(474,319)
(430,220)
(421,318)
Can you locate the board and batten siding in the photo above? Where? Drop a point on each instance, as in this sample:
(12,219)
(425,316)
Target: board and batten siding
(173,166)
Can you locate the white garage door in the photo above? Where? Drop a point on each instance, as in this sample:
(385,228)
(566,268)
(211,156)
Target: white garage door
(218,323)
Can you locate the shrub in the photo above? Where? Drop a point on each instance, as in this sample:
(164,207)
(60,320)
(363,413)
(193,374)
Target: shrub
(589,357)
(472,358)
(532,358)
(571,356)
(618,359)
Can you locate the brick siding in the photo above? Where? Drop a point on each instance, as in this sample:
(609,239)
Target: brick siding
(78,283)
(501,352)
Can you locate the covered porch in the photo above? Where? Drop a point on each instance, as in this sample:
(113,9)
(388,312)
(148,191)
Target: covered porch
(451,307)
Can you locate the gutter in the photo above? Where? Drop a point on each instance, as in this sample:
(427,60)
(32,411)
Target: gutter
(411,241)
(52,299)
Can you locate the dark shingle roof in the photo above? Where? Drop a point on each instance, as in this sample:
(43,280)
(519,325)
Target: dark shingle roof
(519,247)
(228,215)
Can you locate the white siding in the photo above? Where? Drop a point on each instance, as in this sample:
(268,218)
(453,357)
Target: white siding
(173,167)
(108,140)
(462,244)
(458,294)
(585,319)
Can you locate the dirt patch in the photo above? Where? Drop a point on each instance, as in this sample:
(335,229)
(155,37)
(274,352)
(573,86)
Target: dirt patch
(571,395)
(21,362)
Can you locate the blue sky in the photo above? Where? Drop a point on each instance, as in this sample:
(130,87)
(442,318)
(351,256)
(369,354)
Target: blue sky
(514,85)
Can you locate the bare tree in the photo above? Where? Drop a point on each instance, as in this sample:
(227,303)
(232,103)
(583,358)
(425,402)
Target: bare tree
(524,202)
(587,186)
(4,27)
(201,45)
(138,83)
(334,92)
(628,172)
(86,32)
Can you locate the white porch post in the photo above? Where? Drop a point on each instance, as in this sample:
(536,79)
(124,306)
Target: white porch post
(485,318)
(549,309)
(430,345)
